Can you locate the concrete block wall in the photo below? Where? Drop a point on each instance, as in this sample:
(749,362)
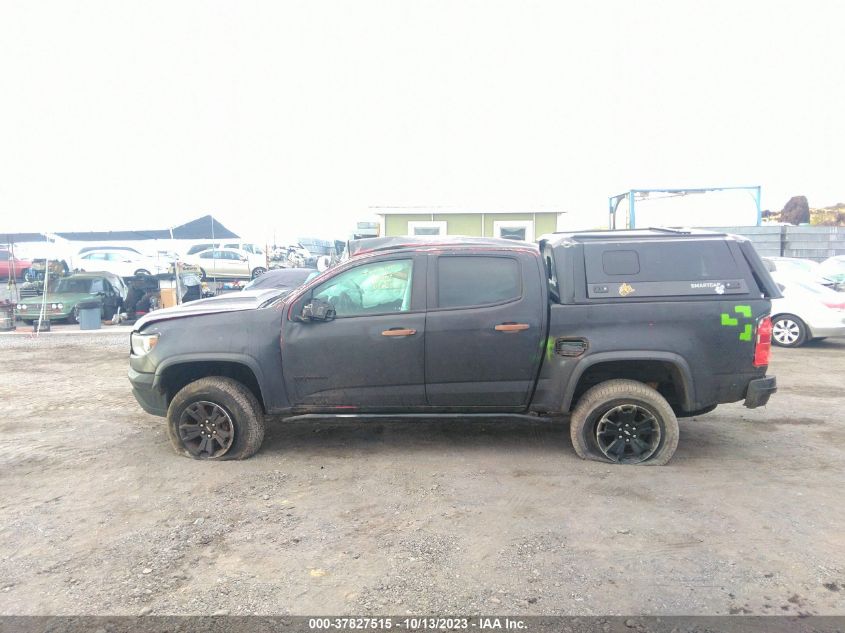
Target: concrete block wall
(808,242)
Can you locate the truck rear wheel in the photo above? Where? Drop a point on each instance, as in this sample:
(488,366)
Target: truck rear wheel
(624,422)
(215,418)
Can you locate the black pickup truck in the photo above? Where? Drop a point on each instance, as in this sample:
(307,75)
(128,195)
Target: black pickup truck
(621,331)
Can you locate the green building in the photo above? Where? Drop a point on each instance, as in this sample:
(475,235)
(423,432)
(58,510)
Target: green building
(518,225)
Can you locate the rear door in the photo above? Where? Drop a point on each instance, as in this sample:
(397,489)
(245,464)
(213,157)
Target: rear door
(484,329)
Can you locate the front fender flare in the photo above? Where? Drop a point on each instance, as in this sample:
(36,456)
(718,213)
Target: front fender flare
(220,357)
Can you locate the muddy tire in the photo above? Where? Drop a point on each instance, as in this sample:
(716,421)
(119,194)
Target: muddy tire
(624,422)
(215,418)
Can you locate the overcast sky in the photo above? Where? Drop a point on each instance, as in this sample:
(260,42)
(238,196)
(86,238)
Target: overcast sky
(298,116)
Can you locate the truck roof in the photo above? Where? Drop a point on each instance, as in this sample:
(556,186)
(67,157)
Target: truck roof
(370,244)
(615,235)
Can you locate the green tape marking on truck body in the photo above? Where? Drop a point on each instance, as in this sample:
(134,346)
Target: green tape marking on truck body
(729,321)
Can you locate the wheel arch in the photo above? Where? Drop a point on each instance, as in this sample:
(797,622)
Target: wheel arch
(633,365)
(807,328)
(177,372)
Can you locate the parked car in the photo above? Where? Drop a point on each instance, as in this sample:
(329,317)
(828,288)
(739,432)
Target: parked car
(249,247)
(62,302)
(797,267)
(806,311)
(228,263)
(11,266)
(833,268)
(624,331)
(282,278)
(120,262)
(129,249)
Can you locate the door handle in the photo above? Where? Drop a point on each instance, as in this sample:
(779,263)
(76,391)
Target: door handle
(511,327)
(398,332)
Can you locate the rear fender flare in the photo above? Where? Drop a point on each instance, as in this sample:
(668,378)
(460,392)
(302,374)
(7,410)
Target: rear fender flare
(678,361)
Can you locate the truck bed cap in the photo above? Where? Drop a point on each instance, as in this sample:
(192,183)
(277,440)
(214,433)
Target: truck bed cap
(629,234)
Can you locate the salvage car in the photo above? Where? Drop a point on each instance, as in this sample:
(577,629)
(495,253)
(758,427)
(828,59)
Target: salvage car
(62,303)
(621,331)
(806,311)
(228,263)
(282,278)
(120,262)
(12,267)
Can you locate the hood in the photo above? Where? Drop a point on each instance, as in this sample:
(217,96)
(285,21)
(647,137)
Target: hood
(230,302)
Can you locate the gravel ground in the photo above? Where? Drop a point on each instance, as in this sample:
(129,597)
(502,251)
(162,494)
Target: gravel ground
(98,516)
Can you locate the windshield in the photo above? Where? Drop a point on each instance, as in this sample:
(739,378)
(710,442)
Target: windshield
(78,285)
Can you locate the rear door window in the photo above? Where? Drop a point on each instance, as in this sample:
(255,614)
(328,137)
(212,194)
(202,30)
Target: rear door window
(464,281)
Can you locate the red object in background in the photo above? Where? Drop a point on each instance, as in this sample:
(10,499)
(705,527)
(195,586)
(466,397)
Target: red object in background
(10,264)
(763,348)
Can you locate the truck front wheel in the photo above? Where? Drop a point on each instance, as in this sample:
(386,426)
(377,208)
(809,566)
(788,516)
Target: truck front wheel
(215,418)
(625,422)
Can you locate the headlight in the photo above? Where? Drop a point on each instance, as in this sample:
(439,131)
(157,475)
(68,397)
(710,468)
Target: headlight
(53,306)
(61,306)
(142,343)
(23,307)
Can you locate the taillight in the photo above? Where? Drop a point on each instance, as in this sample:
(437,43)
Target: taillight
(835,306)
(763,347)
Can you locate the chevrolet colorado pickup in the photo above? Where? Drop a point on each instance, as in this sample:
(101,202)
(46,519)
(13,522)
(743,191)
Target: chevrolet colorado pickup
(620,331)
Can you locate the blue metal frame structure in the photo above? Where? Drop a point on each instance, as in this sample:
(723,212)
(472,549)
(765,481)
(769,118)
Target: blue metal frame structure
(614,201)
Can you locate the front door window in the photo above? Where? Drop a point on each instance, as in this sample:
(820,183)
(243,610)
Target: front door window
(377,288)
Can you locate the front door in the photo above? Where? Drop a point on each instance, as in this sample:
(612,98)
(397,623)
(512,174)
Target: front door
(483,330)
(370,356)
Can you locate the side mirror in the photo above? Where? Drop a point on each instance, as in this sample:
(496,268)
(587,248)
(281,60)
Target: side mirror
(244,258)
(317,310)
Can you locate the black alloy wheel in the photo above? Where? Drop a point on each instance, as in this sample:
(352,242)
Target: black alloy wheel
(206,430)
(628,434)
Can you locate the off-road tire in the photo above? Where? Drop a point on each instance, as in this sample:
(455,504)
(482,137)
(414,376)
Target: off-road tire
(602,398)
(73,317)
(238,401)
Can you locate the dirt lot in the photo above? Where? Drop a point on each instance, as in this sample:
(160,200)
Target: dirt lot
(98,516)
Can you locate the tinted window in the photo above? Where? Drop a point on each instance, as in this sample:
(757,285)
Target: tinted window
(620,262)
(474,281)
(370,289)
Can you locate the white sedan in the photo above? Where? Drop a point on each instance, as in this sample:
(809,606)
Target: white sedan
(124,263)
(807,310)
(228,263)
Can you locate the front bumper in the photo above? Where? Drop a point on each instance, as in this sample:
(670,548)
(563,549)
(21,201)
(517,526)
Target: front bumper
(759,391)
(149,397)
